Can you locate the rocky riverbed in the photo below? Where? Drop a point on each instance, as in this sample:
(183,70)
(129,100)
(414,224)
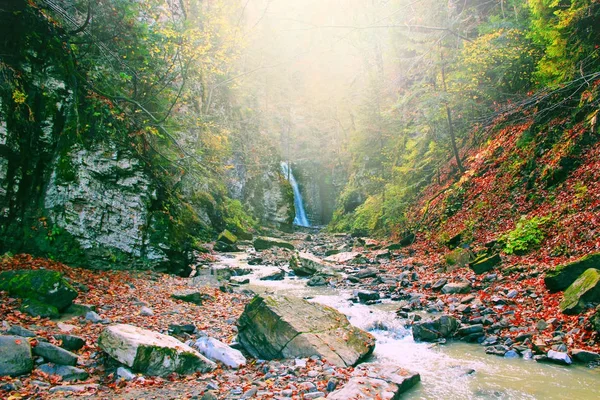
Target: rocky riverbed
(488,321)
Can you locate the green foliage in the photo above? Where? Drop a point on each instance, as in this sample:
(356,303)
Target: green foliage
(235,217)
(528,234)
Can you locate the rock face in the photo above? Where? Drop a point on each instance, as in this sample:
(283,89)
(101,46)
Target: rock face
(439,328)
(264,243)
(15,356)
(44,286)
(267,194)
(586,289)
(376,382)
(564,275)
(150,352)
(286,327)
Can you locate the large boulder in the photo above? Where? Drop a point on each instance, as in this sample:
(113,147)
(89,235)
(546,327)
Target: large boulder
(564,275)
(227,237)
(376,382)
(306,264)
(442,327)
(151,353)
(586,289)
(41,285)
(15,356)
(264,243)
(287,327)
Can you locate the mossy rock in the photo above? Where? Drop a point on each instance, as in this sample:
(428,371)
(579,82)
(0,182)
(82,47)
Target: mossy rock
(44,286)
(38,309)
(264,243)
(485,263)
(151,353)
(195,297)
(458,257)
(564,275)
(586,289)
(227,237)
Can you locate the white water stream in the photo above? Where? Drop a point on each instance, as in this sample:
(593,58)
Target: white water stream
(453,371)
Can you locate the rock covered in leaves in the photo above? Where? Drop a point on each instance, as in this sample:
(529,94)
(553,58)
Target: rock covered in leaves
(287,327)
(561,277)
(376,382)
(43,286)
(150,352)
(586,289)
(441,327)
(15,356)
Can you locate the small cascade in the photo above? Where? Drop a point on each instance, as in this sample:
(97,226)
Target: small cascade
(300,218)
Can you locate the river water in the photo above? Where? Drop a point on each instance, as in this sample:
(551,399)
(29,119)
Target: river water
(455,370)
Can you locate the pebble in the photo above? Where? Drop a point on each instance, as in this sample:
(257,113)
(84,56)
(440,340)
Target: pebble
(146,311)
(93,317)
(314,395)
(125,374)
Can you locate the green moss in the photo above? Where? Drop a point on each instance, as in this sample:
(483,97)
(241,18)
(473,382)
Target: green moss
(564,275)
(585,289)
(43,286)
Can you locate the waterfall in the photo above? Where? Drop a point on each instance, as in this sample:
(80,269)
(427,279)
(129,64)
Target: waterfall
(300,219)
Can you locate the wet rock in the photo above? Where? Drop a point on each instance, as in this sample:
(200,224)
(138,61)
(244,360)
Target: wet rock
(441,327)
(563,276)
(511,354)
(55,354)
(376,382)
(43,286)
(456,288)
(255,261)
(15,356)
(498,350)
(282,327)
(469,330)
(192,297)
(216,350)
(317,280)
(264,243)
(367,295)
(150,352)
(223,247)
(584,356)
(70,342)
(586,289)
(66,372)
(555,357)
(275,276)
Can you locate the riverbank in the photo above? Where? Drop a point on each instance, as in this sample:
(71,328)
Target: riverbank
(382,291)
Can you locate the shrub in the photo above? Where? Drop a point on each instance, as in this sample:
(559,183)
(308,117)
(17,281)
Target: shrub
(528,234)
